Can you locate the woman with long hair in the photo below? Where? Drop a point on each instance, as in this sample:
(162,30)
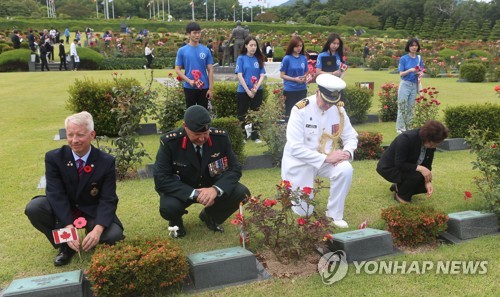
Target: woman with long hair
(331,57)
(411,68)
(293,71)
(250,71)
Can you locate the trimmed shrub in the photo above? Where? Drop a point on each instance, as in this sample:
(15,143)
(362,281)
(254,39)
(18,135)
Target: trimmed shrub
(233,128)
(476,54)
(134,63)
(97,98)
(89,59)
(15,60)
(447,53)
(357,103)
(459,119)
(369,146)
(411,225)
(137,268)
(224,100)
(378,62)
(171,104)
(388,102)
(473,72)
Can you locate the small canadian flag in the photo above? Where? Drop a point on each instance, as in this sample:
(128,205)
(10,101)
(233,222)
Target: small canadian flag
(64,235)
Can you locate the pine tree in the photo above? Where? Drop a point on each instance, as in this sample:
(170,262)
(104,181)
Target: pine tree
(409,24)
(426,29)
(495,32)
(460,31)
(400,23)
(388,23)
(485,30)
(436,32)
(416,27)
(446,29)
(471,30)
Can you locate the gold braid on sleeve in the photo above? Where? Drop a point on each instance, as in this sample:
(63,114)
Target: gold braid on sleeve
(334,138)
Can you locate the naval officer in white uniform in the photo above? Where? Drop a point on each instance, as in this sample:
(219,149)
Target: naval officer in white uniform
(318,125)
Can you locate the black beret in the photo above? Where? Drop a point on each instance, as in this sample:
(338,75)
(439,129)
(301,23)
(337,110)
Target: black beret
(197,118)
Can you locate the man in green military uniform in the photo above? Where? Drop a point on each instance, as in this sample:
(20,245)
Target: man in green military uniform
(195,164)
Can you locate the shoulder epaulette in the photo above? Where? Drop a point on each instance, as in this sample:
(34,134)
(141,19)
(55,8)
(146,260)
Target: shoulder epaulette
(302,103)
(217,131)
(172,135)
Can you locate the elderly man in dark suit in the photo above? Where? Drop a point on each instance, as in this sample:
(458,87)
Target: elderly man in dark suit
(81,182)
(195,164)
(407,163)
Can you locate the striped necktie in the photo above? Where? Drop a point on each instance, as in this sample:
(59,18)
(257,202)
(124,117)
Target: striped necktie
(80,166)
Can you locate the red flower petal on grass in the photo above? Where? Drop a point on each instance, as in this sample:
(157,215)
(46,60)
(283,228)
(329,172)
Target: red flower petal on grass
(467,195)
(80,222)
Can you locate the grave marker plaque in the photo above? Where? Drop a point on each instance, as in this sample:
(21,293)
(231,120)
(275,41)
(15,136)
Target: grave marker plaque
(470,224)
(220,267)
(51,285)
(362,244)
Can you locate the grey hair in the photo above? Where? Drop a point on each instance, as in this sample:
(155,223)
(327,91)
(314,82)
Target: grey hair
(81,119)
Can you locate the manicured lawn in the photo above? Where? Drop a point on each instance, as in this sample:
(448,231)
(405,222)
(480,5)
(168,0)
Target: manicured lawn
(32,109)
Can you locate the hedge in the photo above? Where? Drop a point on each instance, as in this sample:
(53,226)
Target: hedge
(15,60)
(459,119)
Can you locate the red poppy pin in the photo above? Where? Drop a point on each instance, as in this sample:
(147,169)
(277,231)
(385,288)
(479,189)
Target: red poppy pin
(88,168)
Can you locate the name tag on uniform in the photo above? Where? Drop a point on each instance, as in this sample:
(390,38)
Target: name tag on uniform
(311,126)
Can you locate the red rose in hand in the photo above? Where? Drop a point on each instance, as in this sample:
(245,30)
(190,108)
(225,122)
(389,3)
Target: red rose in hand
(253,79)
(196,74)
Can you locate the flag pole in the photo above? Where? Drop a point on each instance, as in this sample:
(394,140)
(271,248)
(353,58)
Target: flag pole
(214,10)
(206,10)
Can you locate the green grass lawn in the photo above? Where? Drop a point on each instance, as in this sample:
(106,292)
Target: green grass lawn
(32,109)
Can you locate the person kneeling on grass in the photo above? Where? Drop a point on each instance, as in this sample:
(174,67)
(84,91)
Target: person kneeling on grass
(407,163)
(81,182)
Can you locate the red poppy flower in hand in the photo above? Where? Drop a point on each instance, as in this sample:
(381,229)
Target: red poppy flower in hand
(80,222)
(196,74)
(253,79)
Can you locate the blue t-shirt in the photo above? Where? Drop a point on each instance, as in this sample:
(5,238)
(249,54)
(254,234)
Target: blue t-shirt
(294,67)
(326,54)
(406,62)
(194,58)
(248,67)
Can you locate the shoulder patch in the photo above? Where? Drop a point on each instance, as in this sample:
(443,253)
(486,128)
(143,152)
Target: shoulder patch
(302,103)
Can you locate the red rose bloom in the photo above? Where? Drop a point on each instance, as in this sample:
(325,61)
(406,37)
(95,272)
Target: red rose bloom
(307,190)
(467,195)
(301,221)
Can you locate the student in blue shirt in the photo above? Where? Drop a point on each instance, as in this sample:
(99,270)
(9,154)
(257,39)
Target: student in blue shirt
(334,47)
(293,71)
(250,71)
(196,60)
(411,68)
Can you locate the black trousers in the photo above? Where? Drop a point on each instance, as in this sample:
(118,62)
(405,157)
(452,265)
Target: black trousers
(63,62)
(245,103)
(172,209)
(43,59)
(292,97)
(41,216)
(411,184)
(150,60)
(196,97)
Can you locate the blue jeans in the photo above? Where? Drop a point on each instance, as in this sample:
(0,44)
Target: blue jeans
(406,101)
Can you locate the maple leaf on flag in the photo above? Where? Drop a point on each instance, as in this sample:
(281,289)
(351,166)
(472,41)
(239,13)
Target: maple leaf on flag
(65,235)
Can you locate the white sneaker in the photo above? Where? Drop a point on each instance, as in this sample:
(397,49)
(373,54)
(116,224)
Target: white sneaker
(341,224)
(258,140)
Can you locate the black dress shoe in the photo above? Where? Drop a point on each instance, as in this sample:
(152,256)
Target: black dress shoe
(64,256)
(394,188)
(182,230)
(211,224)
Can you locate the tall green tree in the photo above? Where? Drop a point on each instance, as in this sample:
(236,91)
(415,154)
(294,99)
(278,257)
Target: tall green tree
(495,32)
(410,22)
(361,18)
(400,23)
